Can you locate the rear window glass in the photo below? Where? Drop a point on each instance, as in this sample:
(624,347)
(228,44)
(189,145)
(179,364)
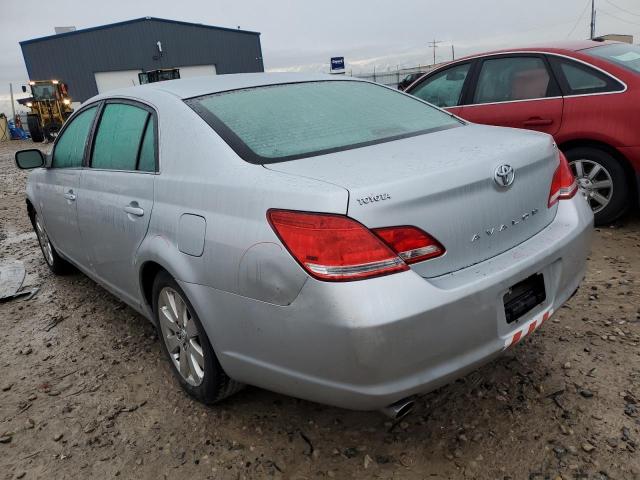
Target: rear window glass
(621,53)
(288,121)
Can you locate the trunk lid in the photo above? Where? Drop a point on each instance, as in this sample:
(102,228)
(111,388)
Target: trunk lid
(444,183)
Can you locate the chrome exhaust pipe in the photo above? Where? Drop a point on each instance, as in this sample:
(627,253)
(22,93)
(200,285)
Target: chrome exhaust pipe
(400,409)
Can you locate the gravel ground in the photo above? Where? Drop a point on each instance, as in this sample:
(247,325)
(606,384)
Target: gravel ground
(86,393)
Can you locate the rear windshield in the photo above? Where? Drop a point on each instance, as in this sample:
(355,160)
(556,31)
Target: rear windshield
(621,53)
(288,121)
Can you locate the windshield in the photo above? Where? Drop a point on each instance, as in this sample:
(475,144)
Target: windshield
(289,121)
(621,53)
(44,91)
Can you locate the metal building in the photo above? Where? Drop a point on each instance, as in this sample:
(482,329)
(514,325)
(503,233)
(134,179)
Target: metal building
(98,59)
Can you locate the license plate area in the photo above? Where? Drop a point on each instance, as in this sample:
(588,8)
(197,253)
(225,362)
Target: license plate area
(523,297)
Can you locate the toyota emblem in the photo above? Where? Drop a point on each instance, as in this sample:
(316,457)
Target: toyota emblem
(504,175)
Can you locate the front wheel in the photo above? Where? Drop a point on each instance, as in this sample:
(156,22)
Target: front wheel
(55,262)
(186,344)
(602,181)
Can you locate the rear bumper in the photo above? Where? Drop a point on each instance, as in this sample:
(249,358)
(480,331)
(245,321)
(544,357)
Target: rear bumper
(364,345)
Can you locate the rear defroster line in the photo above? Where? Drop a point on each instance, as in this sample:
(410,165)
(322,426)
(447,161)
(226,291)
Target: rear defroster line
(528,328)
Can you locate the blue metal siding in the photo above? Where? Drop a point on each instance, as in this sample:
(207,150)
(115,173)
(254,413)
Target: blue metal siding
(74,57)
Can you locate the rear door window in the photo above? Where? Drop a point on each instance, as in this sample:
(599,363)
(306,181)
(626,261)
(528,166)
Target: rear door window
(443,89)
(514,78)
(580,79)
(69,149)
(125,139)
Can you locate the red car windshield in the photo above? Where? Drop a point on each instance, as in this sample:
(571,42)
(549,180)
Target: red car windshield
(622,54)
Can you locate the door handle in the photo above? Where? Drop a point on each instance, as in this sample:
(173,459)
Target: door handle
(538,122)
(70,196)
(134,209)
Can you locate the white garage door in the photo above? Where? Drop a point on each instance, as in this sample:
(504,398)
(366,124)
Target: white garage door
(111,80)
(197,71)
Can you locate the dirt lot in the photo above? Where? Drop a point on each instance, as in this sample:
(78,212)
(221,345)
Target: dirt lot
(85,392)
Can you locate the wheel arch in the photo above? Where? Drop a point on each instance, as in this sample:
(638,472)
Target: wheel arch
(634,180)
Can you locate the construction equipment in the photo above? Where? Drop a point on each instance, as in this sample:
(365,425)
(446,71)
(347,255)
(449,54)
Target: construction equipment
(50,106)
(152,76)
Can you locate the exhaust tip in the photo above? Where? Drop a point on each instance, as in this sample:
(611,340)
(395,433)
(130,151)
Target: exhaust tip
(400,409)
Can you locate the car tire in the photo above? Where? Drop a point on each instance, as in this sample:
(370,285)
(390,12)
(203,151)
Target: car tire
(596,168)
(54,261)
(186,345)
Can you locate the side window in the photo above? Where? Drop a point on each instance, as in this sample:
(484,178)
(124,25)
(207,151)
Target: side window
(444,88)
(69,149)
(581,79)
(119,137)
(513,78)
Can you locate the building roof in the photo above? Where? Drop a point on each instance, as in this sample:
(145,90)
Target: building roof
(128,22)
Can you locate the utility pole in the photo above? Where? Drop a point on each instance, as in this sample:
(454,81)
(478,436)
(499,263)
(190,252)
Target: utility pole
(434,45)
(13,105)
(453,52)
(593,19)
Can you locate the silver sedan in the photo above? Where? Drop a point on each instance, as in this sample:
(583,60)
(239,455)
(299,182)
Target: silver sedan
(323,237)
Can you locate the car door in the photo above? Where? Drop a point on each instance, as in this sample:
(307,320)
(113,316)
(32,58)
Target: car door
(518,91)
(444,88)
(117,193)
(58,191)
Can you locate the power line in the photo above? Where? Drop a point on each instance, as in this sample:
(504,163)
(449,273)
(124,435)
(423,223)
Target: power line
(584,10)
(618,18)
(623,9)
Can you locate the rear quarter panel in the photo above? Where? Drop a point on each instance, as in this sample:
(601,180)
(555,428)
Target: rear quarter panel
(201,175)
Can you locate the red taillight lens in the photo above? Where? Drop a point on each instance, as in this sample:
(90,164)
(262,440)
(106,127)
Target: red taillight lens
(564,184)
(334,247)
(410,243)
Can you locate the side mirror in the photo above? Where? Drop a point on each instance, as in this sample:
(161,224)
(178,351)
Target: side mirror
(24,89)
(28,159)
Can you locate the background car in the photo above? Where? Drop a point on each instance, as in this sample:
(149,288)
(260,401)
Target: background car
(586,94)
(331,239)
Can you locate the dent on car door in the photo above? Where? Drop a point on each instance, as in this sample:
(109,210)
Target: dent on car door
(57,193)
(444,89)
(117,193)
(515,91)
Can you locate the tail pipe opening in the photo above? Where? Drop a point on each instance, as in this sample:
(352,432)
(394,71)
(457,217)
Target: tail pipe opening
(399,409)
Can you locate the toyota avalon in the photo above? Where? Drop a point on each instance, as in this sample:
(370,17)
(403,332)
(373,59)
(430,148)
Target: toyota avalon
(327,238)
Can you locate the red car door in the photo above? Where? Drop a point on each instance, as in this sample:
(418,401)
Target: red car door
(516,91)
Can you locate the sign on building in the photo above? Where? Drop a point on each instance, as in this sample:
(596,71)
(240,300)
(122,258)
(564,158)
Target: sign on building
(337,64)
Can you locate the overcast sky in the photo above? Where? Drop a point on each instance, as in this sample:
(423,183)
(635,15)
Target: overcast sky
(303,35)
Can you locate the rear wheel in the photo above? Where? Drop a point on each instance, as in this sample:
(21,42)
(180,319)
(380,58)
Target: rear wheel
(186,344)
(35,130)
(602,181)
(56,263)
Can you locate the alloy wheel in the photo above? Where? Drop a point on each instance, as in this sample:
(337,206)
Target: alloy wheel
(181,336)
(43,239)
(595,183)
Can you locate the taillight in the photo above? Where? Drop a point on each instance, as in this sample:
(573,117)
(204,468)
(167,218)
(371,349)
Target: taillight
(564,184)
(334,247)
(410,243)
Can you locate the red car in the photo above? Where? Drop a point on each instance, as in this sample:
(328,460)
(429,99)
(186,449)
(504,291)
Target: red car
(586,94)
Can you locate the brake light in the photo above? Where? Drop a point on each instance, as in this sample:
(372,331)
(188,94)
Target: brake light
(410,243)
(334,247)
(564,184)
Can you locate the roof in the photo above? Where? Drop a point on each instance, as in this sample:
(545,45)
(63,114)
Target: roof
(135,20)
(557,47)
(197,86)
